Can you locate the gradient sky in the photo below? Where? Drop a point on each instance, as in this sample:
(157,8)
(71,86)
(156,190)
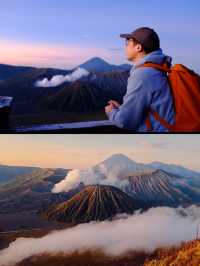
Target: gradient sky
(82,151)
(66,33)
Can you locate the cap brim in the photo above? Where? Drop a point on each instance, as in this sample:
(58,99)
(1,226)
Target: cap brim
(125,36)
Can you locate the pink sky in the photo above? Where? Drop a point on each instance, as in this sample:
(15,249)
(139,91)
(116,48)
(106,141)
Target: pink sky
(43,55)
(75,151)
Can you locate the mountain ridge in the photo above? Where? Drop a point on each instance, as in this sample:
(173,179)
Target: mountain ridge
(32,191)
(155,187)
(8,173)
(175,169)
(97,64)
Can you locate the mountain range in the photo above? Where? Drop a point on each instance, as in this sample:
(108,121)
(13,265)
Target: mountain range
(31,191)
(152,187)
(119,166)
(97,64)
(8,71)
(7,173)
(118,185)
(131,186)
(88,95)
(121,187)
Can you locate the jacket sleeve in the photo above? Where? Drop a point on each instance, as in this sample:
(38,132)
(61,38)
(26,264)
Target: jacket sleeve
(136,101)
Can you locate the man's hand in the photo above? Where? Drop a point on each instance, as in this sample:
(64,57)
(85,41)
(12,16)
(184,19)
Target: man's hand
(109,108)
(111,105)
(115,103)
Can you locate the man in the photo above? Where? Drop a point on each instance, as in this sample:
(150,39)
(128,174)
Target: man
(147,89)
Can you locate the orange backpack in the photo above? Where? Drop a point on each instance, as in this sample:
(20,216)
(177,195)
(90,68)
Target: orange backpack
(185,86)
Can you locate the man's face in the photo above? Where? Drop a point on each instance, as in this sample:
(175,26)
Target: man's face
(133,49)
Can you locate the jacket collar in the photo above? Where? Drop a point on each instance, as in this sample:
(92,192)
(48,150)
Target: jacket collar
(155,57)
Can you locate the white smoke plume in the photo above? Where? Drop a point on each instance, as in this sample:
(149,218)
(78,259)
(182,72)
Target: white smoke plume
(108,172)
(60,79)
(155,228)
(88,177)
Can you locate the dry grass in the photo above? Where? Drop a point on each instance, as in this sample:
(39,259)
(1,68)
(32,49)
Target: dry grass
(186,255)
(87,258)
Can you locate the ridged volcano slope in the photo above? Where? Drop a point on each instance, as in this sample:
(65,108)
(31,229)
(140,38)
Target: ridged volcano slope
(94,202)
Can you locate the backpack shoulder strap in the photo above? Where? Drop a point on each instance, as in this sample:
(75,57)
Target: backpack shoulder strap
(158,118)
(164,67)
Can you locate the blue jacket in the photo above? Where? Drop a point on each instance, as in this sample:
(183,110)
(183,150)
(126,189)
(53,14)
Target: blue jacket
(147,88)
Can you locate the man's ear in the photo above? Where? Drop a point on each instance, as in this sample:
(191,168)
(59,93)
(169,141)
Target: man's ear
(139,47)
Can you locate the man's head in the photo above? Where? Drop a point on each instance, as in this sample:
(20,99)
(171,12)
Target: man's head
(140,43)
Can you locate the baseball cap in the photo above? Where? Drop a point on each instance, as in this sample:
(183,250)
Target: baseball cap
(147,37)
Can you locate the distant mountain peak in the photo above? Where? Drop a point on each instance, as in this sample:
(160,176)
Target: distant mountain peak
(119,156)
(120,165)
(97,64)
(97,59)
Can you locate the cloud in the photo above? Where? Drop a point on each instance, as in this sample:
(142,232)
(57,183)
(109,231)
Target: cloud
(87,177)
(155,228)
(60,79)
(104,174)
